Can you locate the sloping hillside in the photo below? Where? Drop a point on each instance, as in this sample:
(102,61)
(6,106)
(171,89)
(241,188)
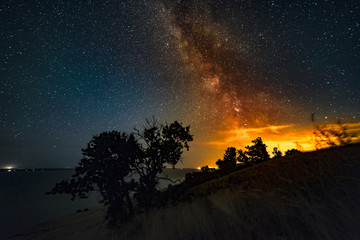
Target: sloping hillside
(313,195)
(317,169)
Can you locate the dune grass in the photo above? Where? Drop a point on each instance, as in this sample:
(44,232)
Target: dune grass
(313,195)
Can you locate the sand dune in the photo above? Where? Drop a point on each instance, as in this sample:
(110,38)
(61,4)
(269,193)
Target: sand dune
(315,195)
(83,225)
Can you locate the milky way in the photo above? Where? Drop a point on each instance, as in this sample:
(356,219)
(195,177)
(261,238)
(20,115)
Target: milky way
(233,70)
(228,92)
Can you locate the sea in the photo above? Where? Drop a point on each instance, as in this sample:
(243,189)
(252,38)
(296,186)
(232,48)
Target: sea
(24,204)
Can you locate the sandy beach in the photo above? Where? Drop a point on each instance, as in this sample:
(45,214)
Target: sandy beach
(83,225)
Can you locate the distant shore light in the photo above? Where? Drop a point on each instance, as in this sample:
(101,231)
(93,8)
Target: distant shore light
(9,167)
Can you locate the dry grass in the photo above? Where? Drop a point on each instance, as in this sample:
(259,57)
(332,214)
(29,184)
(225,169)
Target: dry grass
(314,195)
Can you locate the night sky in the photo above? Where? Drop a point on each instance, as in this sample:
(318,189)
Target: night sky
(232,70)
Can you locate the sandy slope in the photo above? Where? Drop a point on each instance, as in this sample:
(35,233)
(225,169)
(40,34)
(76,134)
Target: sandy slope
(315,195)
(83,225)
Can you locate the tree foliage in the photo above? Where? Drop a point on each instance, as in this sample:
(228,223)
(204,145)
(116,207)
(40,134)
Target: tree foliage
(257,152)
(112,159)
(253,154)
(160,145)
(243,157)
(276,153)
(205,169)
(229,160)
(106,164)
(230,154)
(292,152)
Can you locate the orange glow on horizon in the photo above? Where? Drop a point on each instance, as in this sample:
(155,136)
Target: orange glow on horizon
(230,103)
(284,137)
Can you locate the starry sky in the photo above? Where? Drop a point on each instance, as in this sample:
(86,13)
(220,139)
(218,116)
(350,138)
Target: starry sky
(232,70)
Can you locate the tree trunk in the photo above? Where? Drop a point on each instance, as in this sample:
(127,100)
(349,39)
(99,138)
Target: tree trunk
(128,200)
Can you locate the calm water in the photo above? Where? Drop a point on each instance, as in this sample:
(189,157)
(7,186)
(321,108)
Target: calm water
(24,204)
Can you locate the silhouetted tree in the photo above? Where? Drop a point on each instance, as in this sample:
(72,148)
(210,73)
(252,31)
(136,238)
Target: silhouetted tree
(257,152)
(205,169)
(230,155)
(276,153)
(219,163)
(111,159)
(160,145)
(292,152)
(242,157)
(229,160)
(107,162)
